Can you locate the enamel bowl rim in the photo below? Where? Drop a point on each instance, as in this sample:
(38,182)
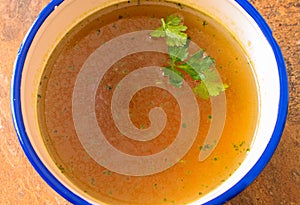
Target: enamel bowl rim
(15,101)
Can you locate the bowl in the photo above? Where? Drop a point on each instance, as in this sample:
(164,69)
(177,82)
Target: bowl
(238,17)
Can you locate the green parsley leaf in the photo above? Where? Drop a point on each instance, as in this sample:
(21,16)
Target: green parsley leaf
(189,70)
(201,91)
(212,82)
(209,75)
(172,30)
(199,66)
(200,63)
(196,57)
(175,36)
(173,20)
(214,88)
(178,53)
(175,76)
(159,32)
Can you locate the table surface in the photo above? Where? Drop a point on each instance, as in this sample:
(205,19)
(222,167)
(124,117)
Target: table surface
(279,183)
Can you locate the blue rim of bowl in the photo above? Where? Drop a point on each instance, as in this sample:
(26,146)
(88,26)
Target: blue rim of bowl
(68,194)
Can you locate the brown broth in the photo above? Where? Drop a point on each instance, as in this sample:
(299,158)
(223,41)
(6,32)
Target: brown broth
(187,180)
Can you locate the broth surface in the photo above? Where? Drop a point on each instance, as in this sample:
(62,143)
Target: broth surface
(189,179)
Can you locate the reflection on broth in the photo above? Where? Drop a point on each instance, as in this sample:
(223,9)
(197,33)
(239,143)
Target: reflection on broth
(73,110)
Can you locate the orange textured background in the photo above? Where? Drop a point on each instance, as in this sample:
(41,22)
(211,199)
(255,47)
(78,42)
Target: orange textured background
(279,183)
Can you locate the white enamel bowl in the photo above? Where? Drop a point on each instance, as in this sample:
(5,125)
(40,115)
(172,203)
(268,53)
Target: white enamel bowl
(239,17)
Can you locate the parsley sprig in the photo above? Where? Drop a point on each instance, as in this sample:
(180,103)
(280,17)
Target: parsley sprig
(172,30)
(199,66)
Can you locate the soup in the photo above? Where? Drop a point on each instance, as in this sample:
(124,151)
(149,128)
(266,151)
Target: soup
(181,180)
